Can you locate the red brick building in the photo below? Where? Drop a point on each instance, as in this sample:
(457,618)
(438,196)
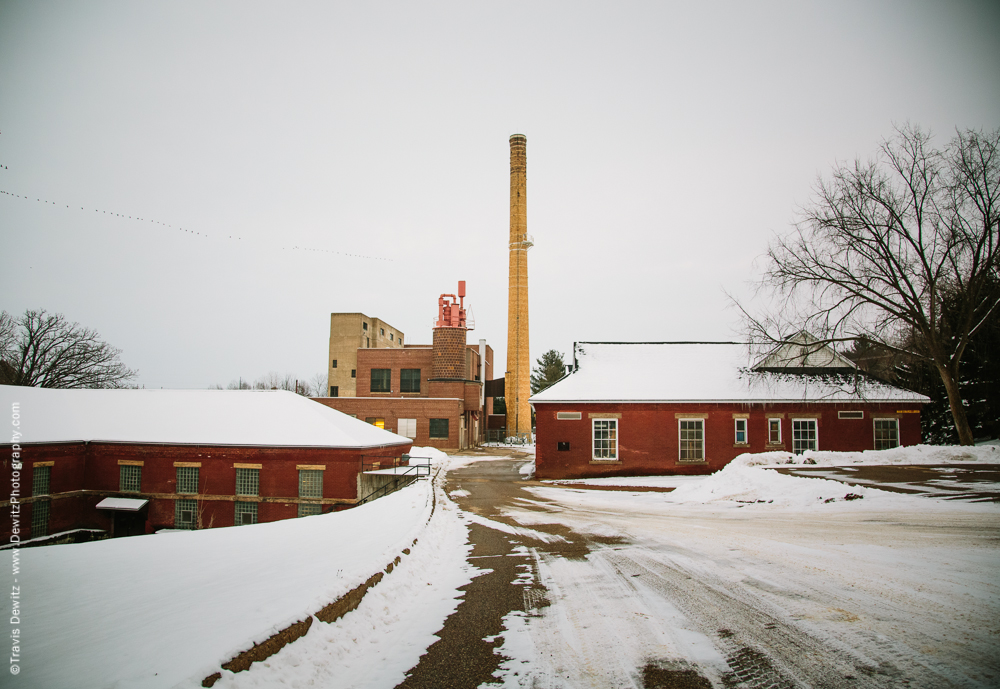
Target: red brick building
(432,394)
(179,459)
(690,408)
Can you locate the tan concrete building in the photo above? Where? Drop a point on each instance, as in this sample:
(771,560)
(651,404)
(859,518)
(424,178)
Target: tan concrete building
(350,332)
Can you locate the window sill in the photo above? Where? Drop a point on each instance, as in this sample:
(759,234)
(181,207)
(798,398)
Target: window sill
(690,462)
(775,446)
(605,461)
(741,445)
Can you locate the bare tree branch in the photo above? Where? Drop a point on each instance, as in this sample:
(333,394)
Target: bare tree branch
(902,251)
(46,350)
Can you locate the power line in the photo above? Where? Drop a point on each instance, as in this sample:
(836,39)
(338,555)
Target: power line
(194,233)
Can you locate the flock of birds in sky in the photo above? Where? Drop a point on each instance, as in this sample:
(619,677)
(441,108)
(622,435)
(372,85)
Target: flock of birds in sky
(194,232)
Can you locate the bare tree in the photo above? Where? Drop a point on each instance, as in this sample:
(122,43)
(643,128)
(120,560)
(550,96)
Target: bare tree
(887,244)
(320,384)
(45,350)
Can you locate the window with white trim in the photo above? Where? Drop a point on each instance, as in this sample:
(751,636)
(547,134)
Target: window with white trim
(886,434)
(774,431)
(407,427)
(741,431)
(248,482)
(606,439)
(129,478)
(691,440)
(245,513)
(805,435)
(185,514)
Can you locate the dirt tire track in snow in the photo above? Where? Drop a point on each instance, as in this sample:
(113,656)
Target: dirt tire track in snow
(761,648)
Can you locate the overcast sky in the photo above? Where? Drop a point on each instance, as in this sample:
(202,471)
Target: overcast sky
(667,143)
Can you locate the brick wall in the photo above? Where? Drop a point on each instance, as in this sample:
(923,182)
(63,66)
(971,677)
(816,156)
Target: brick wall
(648,441)
(449,353)
(392,409)
(394,359)
(82,474)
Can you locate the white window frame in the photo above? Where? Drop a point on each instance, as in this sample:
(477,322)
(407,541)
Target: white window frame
(407,427)
(771,420)
(681,440)
(895,423)
(608,450)
(795,441)
(736,431)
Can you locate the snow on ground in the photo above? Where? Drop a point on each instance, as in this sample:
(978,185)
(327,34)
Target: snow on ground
(396,622)
(152,611)
(900,581)
(744,480)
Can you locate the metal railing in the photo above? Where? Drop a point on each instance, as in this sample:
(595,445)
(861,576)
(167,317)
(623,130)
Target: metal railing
(404,474)
(501,437)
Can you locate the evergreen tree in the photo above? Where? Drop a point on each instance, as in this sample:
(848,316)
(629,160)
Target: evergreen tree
(549,369)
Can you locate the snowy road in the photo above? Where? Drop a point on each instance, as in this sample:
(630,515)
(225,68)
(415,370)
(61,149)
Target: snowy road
(629,590)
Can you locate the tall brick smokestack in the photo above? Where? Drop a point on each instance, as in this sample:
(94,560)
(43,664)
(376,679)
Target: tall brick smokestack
(517,386)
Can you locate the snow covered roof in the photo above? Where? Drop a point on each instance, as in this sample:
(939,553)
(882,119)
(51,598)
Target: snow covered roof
(264,418)
(122,504)
(700,372)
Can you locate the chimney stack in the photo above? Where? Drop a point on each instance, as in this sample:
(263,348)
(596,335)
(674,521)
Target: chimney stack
(517,384)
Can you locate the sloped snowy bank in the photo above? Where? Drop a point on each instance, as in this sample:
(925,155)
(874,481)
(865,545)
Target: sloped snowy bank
(745,480)
(153,611)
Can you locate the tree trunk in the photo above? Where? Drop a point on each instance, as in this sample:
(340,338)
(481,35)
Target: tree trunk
(957,408)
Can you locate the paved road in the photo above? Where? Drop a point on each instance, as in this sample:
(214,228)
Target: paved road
(632,600)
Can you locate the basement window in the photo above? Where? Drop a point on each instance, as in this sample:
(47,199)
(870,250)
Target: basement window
(244,513)
(185,513)
(309,509)
(40,518)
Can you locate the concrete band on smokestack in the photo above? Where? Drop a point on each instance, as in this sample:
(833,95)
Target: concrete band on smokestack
(517,386)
